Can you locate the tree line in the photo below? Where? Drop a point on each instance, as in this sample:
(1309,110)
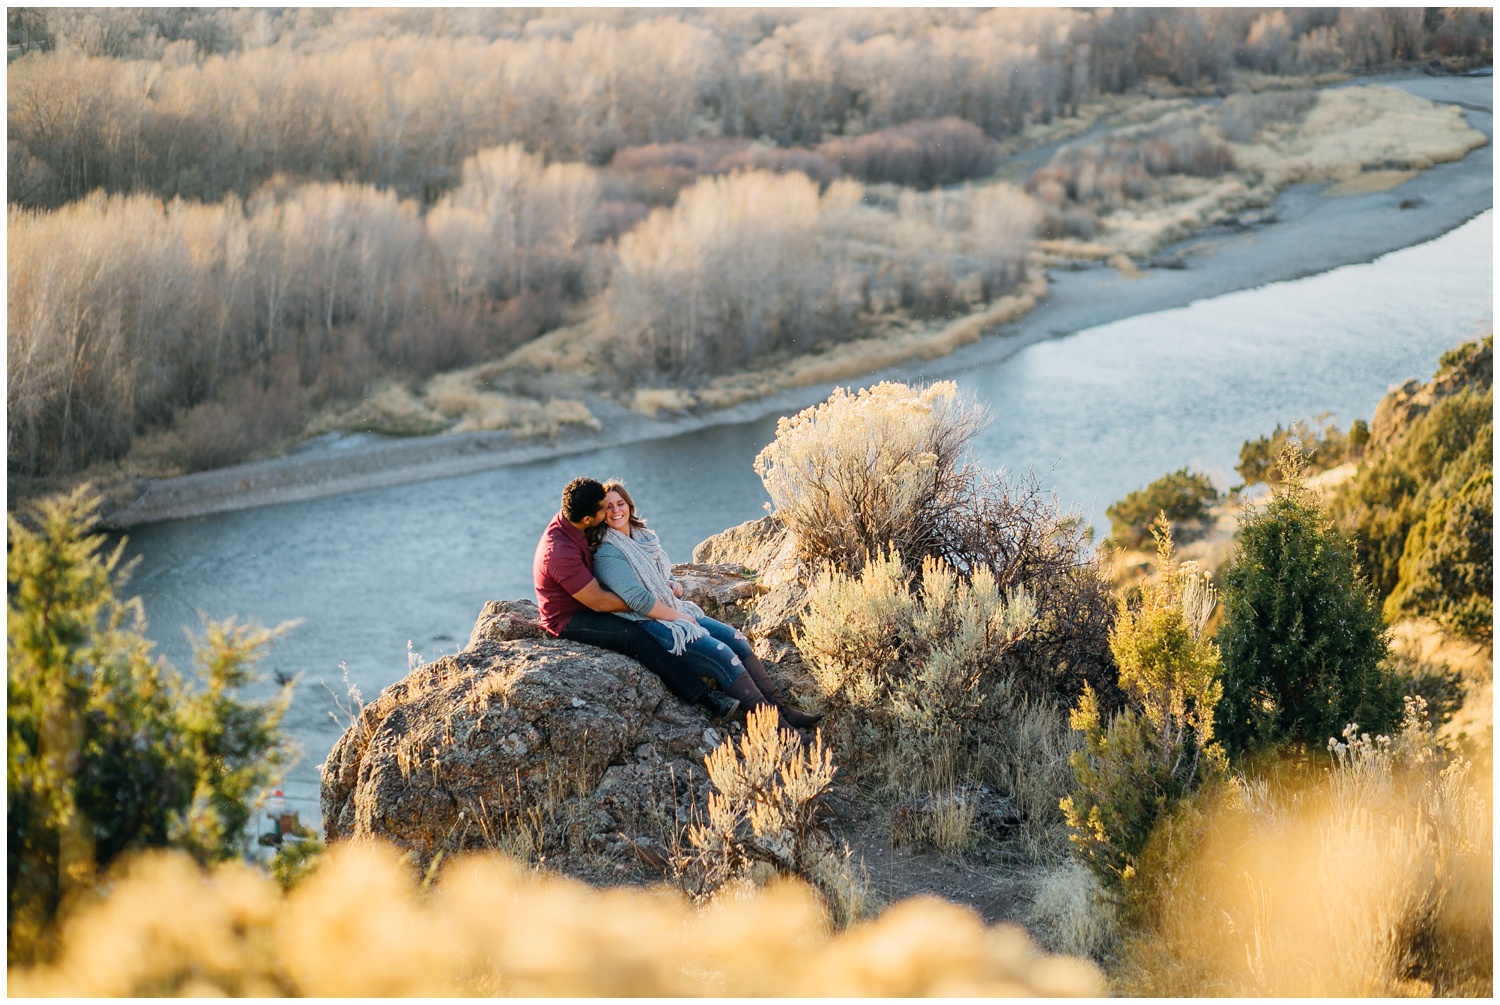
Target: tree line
(205,104)
(230,322)
(124,310)
(223,220)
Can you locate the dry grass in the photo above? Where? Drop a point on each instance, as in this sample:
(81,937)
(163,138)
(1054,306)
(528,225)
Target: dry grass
(1370,877)
(653,400)
(1124,266)
(1424,642)
(1362,138)
(361,927)
(472,407)
(1069,912)
(1354,128)
(764,821)
(392,409)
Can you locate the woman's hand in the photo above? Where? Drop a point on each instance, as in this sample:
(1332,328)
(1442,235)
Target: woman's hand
(661,612)
(676,589)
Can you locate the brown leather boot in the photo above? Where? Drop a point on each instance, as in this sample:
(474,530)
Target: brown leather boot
(750,697)
(756,670)
(744,691)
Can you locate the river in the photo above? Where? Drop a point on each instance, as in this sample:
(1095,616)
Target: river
(1094,414)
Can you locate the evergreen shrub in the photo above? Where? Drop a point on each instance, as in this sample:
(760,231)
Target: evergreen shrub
(110,750)
(1181,495)
(1420,512)
(1302,637)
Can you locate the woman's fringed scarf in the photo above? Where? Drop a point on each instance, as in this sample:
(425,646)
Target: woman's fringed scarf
(649,563)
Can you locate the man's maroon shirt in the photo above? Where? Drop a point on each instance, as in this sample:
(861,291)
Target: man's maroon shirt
(563,565)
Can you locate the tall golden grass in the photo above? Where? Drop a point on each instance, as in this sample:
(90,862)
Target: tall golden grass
(362,926)
(1373,877)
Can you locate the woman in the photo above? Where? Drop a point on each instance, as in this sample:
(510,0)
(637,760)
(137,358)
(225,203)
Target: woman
(629,561)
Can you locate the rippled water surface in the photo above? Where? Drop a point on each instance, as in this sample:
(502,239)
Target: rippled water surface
(1095,415)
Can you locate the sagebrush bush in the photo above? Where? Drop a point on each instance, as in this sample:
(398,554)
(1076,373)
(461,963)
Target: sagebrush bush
(926,696)
(885,468)
(1181,495)
(361,926)
(108,749)
(1304,646)
(763,819)
(878,469)
(1137,767)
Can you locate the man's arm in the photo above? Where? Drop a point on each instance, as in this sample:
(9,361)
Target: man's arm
(597,598)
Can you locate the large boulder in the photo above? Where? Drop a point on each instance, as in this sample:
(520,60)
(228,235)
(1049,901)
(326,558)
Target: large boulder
(768,549)
(523,739)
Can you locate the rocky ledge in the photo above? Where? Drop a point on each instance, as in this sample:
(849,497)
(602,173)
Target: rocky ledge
(526,742)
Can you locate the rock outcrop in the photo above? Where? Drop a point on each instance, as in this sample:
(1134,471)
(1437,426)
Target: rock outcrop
(766,547)
(1470,366)
(526,740)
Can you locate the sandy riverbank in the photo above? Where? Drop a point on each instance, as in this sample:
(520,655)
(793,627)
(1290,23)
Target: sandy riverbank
(1316,229)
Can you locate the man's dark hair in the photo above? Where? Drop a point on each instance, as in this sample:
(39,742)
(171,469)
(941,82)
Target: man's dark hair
(581,498)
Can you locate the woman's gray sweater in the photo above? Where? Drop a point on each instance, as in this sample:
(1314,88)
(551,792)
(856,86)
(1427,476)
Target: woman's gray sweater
(613,571)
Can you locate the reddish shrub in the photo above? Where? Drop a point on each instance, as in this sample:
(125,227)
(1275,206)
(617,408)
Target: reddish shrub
(924,154)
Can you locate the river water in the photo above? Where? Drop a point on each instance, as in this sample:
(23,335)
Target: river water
(1093,414)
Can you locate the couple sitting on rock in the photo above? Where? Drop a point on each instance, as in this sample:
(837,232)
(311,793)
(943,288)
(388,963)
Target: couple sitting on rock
(602,579)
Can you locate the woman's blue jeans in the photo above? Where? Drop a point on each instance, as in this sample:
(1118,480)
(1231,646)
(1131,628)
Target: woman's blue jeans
(725,647)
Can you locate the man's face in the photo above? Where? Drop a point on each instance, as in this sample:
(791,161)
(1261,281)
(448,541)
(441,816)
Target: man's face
(596,519)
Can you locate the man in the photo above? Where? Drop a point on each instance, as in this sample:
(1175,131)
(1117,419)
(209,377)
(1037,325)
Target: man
(575,607)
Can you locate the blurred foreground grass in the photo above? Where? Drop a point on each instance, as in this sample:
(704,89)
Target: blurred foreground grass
(362,926)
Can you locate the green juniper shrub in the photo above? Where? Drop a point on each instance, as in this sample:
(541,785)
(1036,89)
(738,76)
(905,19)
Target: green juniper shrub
(1447,567)
(1323,444)
(298,858)
(110,750)
(1302,637)
(1181,495)
(1140,766)
(1442,463)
